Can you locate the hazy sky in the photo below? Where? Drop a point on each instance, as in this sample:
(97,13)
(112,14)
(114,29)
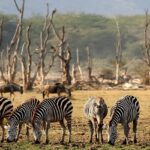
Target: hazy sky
(103,7)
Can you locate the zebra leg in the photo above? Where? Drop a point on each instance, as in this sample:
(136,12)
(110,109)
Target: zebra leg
(126,132)
(134,130)
(96,131)
(64,130)
(46,131)
(100,130)
(19,130)
(27,132)
(3,130)
(68,119)
(91,130)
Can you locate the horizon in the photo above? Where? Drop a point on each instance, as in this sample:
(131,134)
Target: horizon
(92,7)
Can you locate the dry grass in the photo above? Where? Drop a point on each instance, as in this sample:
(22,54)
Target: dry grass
(80,134)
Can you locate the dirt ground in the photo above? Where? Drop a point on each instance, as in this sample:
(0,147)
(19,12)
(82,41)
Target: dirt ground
(80,132)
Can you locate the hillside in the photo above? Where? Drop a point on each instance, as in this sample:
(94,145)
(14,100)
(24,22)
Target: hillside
(95,31)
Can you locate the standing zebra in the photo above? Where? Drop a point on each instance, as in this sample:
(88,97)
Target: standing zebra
(11,88)
(95,111)
(125,111)
(6,108)
(52,110)
(22,114)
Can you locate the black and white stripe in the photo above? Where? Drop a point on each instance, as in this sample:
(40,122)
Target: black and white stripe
(6,109)
(22,114)
(126,110)
(52,110)
(95,111)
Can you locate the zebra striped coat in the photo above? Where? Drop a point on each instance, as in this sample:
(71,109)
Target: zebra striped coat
(22,114)
(95,111)
(126,110)
(6,109)
(52,110)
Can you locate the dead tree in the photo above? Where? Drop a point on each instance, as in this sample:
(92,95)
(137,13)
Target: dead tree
(118,51)
(43,48)
(27,63)
(147,44)
(76,69)
(63,52)
(2,66)
(90,63)
(13,48)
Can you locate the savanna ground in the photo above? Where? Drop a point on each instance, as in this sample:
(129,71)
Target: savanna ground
(80,134)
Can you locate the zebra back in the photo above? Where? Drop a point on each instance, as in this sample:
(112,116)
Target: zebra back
(125,105)
(6,108)
(25,110)
(57,108)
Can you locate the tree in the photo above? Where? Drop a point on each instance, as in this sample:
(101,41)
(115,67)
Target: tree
(13,48)
(27,63)
(147,45)
(63,52)
(118,52)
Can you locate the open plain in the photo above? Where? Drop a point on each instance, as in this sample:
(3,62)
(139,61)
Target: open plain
(80,133)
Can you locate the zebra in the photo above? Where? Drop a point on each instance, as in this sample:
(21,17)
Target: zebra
(57,88)
(56,109)
(22,114)
(6,109)
(95,111)
(11,88)
(126,110)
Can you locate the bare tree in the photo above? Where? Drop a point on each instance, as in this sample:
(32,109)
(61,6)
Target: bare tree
(28,73)
(13,47)
(147,44)
(76,69)
(90,64)
(63,52)
(118,51)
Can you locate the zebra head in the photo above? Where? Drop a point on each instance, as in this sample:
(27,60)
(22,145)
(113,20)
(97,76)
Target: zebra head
(37,132)
(112,133)
(12,132)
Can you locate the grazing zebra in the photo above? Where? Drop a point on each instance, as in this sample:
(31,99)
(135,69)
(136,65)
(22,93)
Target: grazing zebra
(57,88)
(22,114)
(6,108)
(11,88)
(95,110)
(52,110)
(125,111)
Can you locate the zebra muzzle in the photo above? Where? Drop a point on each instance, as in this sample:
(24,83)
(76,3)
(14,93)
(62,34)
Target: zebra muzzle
(111,143)
(37,142)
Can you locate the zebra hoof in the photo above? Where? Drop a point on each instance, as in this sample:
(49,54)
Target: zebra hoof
(37,142)
(90,142)
(62,142)
(111,143)
(47,141)
(124,142)
(135,141)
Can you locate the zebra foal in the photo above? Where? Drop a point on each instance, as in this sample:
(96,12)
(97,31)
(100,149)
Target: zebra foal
(6,108)
(126,110)
(95,111)
(22,114)
(52,110)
